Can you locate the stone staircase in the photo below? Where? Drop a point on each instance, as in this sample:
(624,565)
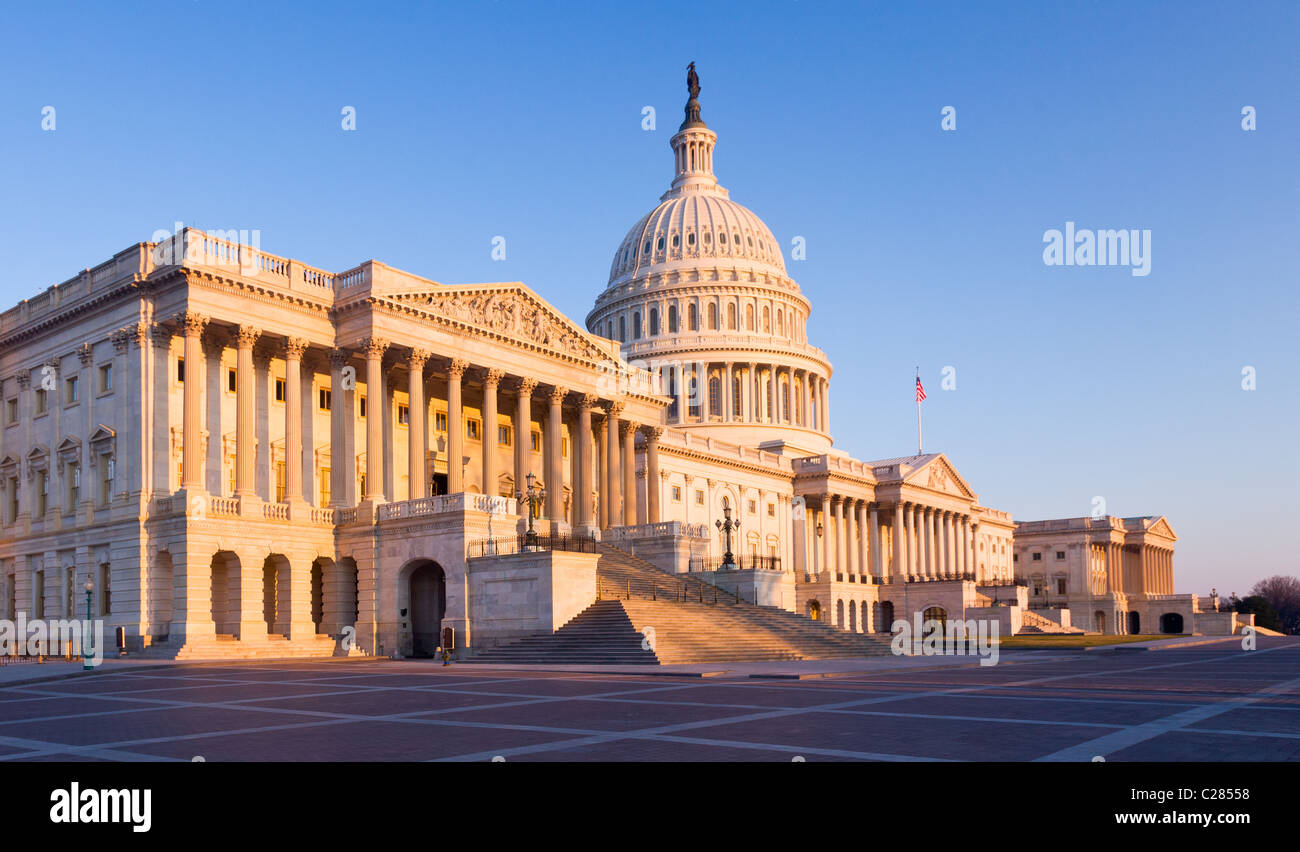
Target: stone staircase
(223,647)
(1031,623)
(645,616)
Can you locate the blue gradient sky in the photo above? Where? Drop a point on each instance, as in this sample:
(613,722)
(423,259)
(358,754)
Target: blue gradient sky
(924,247)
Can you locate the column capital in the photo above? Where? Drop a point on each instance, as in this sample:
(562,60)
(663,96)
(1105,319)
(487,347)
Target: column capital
(121,340)
(557,394)
(587,400)
(192,323)
(526,385)
(614,409)
(294,347)
(85,354)
(246,336)
(492,377)
(456,368)
(339,358)
(416,359)
(24,381)
(374,347)
(626,428)
(653,434)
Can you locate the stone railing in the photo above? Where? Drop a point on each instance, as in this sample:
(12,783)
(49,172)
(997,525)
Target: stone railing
(223,506)
(462,502)
(275,511)
(675,528)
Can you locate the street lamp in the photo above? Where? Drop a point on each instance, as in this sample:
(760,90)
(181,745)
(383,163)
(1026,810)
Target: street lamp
(534,495)
(727,526)
(85,628)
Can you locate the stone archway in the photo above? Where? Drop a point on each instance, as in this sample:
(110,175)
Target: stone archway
(885,624)
(1134,623)
(160,596)
(276,593)
(425,603)
(226,582)
(815,610)
(1171,622)
(1099,621)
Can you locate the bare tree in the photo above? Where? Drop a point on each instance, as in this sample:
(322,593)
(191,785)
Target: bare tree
(1283,594)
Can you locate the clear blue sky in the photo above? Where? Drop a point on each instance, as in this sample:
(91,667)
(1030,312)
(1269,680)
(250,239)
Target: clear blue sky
(924,247)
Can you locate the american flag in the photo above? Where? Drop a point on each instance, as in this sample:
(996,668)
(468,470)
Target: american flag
(920,391)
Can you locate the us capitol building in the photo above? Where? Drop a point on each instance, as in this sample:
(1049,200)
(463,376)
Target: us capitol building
(250,456)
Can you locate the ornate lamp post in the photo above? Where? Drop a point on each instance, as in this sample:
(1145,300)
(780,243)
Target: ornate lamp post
(86,629)
(727,526)
(535,495)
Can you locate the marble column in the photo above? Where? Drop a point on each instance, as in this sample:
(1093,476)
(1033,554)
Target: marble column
(491,429)
(455,426)
(851,537)
(875,548)
(898,537)
(523,436)
(727,391)
(613,495)
(340,431)
(294,347)
(245,411)
(192,416)
(828,532)
(629,473)
(554,448)
(374,349)
(583,468)
(652,481)
(841,538)
(417,429)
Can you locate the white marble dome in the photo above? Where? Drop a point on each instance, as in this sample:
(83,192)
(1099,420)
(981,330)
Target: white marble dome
(693,226)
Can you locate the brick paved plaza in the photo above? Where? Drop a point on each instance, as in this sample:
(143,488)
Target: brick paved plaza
(1212,703)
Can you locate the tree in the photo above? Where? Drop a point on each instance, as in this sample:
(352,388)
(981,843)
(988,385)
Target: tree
(1283,595)
(1264,614)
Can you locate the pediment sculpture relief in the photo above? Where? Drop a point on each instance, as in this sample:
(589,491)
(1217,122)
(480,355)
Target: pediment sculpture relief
(507,313)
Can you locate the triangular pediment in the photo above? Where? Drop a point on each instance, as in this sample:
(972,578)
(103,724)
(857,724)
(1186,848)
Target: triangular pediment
(508,310)
(938,474)
(103,433)
(1161,527)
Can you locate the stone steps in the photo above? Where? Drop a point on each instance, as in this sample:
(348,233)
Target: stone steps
(230,648)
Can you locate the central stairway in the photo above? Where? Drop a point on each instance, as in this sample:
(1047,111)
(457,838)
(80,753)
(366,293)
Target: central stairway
(645,616)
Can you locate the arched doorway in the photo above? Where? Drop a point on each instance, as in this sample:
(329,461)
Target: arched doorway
(1171,622)
(1134,623)
(427,603)
(319,568)
(276,594)
(853,617)
(814,610)
(935,613)
(886,622)
(1099,621)
(226,581)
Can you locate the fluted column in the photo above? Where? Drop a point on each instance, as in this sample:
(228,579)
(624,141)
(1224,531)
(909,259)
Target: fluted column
(681,392)
(614,493)
(491,471)
(583,469)
(727,390)
(875,549)
(455,426)
(374,349)
(340,429)
(841,538)
(523,435)
(293,349)
(851,537)
(554,462)
(629,473)
(865,541)
(192,417)
(898,536)
(416,429)
(828,532)
(245,411)
(652,481)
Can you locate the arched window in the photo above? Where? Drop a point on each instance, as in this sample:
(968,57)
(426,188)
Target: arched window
(654,322)
(692,318)
(767,320)
(715,396)
(780,322)
(693,395)
(636,325)
(731,316)
(749,317)
(622,329)
(785,400)
(672,319)
(690,239)
(736,401)
(713,317)
(660,244)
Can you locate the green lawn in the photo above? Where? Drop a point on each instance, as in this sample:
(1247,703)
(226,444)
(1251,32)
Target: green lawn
(1073,640)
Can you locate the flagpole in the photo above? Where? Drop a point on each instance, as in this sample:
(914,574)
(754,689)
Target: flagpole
(918,414)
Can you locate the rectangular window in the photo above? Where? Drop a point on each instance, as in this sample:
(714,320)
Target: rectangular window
(74,486)
(1060,585)
(180,370)
(564,447)
(1060,554)
(365,492)
(361,407)
(472,429)
(324,399)
(13,499)
(232,382)
(230,481)
(503,436)
(440,421)
(537,442)
(105,586)
(70,396)
(699,498)
(281,389)
(279,482)
(677,494)
(324,486)
(42,493)
(771,510)
(105,378)
(403,415)
(753,506)
(41,402)
(1038,557)
(107,466)
(11,411)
